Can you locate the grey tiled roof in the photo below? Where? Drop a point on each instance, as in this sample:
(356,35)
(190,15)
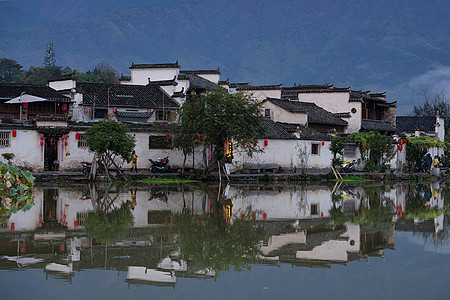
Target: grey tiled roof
(376,125)
(411,124)
(315,113)
(9,91)
(259,87)
(275,131)
(197,82)
(155,66)
(144,96)
(132,116)
(217,71)
(306,133)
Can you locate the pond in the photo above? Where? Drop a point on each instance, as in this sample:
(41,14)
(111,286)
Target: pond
(228,241)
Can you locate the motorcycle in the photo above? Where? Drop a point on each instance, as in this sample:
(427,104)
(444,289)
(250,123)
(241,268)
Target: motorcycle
(86,168)
(159,166)
(349,165)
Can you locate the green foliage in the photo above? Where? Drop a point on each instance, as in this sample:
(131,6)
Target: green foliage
(49,57)
(380,146)
(107,228)
(220,116)
(433,105)
(102,73)
(417,148)
(111,138)
(16,190)
(216,244)
(337,148)
(9,68)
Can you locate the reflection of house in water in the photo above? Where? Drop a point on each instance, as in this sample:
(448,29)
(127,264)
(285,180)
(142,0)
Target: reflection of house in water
(319,245)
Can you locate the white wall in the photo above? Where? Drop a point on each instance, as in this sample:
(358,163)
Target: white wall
(141,76)
(62,84)
(285,153)
(336,103)
(278,114)
(262,94)
(26,148)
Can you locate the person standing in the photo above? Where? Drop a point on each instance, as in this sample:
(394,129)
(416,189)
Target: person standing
(133,161)
(436,169)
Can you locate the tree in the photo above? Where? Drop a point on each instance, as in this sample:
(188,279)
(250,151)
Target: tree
(49,56)
(109,139)
(8,69)
(16,190)
(417,148)
(219,116)
(433,105)
(102,73)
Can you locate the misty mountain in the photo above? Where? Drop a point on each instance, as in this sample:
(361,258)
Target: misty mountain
(380,45)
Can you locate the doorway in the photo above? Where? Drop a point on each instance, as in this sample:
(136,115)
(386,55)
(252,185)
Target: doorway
(51,162)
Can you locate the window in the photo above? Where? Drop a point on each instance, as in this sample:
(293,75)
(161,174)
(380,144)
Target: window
(267,112)
(158,142)
(82,141)
(349,150)
(99,113)
(314,209)
(5,139)
(163,116)
(315,149)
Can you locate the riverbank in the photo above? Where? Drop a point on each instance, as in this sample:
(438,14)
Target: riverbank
(64,176)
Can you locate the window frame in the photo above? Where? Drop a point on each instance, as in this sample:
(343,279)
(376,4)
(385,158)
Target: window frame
(317,146)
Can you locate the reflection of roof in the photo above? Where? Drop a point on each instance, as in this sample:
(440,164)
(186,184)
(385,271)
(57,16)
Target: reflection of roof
(9,91)
(411,124)
(368,125)
(315,113)
(145,96)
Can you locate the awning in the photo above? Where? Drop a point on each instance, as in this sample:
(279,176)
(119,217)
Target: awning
(25,98)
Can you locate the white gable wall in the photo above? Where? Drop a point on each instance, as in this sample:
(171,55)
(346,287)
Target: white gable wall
(141,76)
(261,95)
(336,103)
(279,114)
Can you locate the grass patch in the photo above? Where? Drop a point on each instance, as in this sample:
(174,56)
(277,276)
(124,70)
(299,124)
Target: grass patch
(354,179)
(165,180)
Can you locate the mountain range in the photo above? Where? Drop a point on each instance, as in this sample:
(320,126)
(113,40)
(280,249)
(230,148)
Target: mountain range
(402,47)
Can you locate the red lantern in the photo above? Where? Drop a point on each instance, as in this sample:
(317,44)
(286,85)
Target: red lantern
(264,216)
(13,226)
(25,106)
(14,133)
(66,143)
(42,136)
(199,221)
(323,143)
(167,137)
(166,222)
(64,107)
(77,136)
(42,143)
(86,109)
(266,142)
(362,147)
(75,223)
(200,138)
(400,147)
(321,214)
(401,142)
(255,143)
(114,109)
(253,216)
(51,141)
(61,248)
(243,217)
(66,136)
(406,140)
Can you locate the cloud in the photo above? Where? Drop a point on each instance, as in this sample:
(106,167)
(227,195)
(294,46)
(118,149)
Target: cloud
(433,81)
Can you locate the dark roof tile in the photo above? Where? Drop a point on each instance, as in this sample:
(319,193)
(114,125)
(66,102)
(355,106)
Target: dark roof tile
(377,125)
(315,113)
(9,91)
(149,96)
(156,66)
(413,123)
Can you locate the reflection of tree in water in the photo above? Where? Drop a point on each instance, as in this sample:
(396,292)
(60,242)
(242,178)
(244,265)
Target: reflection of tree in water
(210,242)
(108,223)
(374,209)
